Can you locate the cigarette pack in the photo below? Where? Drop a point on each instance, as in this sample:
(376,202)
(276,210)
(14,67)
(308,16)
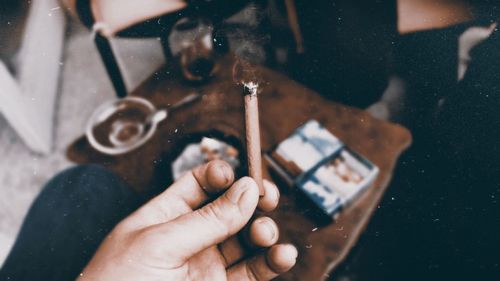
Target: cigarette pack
(322,167)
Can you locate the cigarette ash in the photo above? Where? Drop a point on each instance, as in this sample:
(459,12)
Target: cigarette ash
(251,88)
(244,74)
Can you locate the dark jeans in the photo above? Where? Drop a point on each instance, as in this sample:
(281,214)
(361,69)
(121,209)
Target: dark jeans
(67,222)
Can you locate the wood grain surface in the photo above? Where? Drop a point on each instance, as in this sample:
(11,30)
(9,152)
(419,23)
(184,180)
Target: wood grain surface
(284,105)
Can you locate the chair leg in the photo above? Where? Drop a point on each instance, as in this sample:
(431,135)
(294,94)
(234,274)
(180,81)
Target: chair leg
(110,63)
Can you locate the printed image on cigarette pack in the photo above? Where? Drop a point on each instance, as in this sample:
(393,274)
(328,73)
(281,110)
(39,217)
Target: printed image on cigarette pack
(323,168)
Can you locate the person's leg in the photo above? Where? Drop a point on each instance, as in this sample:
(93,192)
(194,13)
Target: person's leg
(66,224)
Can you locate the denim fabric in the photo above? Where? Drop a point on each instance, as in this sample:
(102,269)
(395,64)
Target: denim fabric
(67,222)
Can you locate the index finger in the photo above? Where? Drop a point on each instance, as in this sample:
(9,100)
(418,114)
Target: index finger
(190,192)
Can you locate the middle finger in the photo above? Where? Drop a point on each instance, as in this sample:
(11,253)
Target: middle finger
(263,232)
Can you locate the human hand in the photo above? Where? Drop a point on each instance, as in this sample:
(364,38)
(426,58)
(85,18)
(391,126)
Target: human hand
(176,237)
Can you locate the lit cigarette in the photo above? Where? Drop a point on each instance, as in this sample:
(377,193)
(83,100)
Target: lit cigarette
(253,134)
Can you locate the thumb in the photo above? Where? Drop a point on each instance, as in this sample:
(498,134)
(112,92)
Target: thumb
(193,232)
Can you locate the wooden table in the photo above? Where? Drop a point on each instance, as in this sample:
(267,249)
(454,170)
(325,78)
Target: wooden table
(284,106)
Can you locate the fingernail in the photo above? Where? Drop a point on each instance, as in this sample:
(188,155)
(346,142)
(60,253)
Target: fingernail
(289,250)
(226,172)
(269,229)
(238,189)
(295,253)
(274,188)
(276,191)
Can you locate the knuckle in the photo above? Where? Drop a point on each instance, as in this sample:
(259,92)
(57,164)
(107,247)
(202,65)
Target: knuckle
(216,217)
(248,180)
(234,209)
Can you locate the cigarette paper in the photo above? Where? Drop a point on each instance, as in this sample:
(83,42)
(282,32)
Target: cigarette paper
(252,129)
